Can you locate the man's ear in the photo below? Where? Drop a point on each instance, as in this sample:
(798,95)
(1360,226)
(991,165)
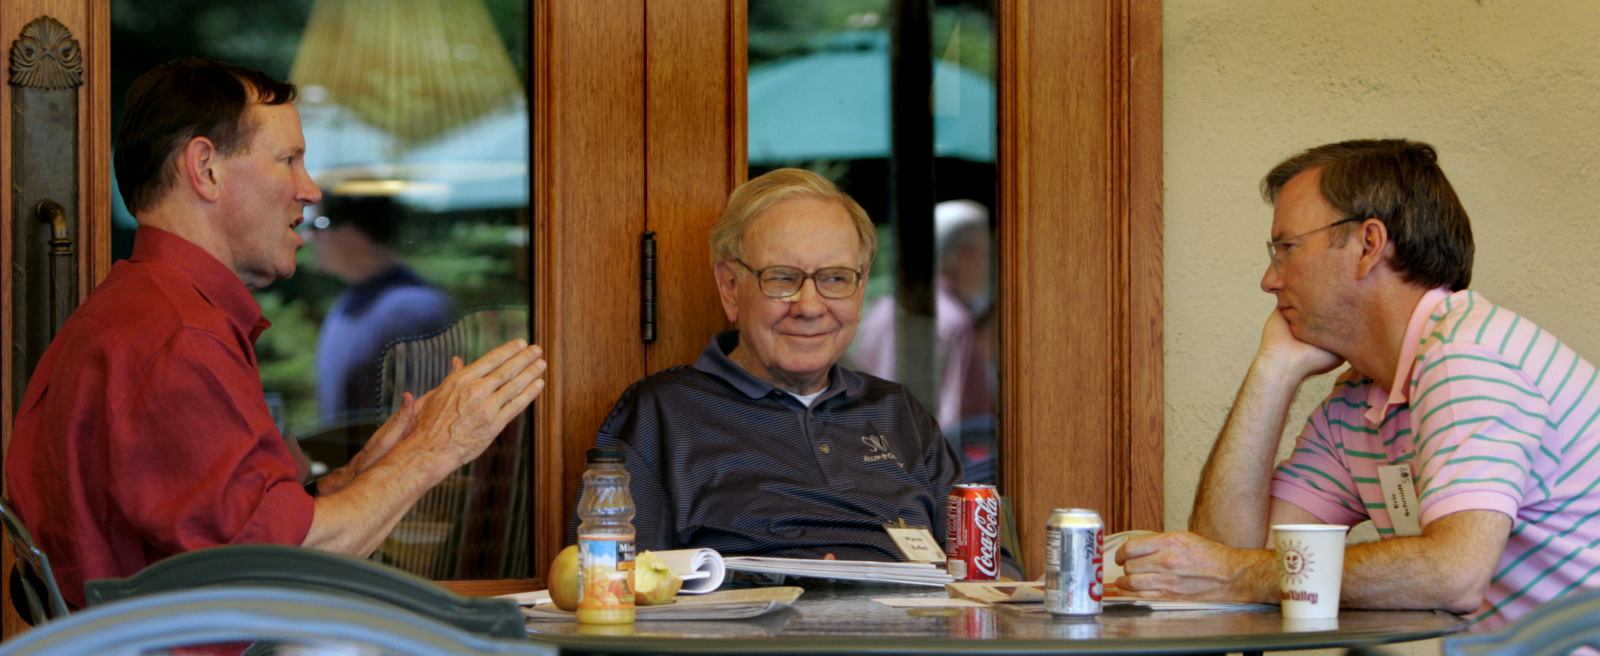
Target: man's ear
(200,159)
(1375,246)
(727,288)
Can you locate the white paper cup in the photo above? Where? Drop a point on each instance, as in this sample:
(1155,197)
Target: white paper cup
(1291,625)
(1310,566)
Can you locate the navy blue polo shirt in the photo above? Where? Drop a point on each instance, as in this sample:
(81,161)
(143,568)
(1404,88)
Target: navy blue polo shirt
(720,459)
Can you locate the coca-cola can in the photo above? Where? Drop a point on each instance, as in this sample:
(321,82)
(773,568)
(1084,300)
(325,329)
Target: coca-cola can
(1074,544)
(976,624)
(972,546)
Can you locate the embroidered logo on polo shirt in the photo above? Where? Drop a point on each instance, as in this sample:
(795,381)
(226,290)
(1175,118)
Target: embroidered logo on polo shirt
(877,447)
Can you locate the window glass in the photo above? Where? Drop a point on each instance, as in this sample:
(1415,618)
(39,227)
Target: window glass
(820,98)
(416,123)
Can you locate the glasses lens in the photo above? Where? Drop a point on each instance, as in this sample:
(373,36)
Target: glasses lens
(836,282)
(781,280)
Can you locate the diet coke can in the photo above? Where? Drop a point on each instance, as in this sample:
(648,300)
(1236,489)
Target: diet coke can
(972,546)
(1074,540)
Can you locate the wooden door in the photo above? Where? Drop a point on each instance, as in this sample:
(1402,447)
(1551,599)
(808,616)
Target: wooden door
(638,127)
(1080,262)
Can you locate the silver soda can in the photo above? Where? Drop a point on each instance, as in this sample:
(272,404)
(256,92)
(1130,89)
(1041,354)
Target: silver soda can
(1077,627)
(1074,542)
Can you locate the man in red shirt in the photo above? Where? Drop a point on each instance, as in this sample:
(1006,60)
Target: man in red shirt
(144,432)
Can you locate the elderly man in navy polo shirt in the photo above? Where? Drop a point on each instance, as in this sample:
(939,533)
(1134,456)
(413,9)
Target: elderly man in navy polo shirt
(766,446)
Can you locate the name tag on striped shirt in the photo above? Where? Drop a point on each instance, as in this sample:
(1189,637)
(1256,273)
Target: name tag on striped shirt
(917,544)
(1400,496)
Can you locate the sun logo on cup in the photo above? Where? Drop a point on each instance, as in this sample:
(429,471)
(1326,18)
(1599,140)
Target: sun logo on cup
(1295,562)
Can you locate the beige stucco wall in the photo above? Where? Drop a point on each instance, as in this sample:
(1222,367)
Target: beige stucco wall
(1509,93)
(1507,90)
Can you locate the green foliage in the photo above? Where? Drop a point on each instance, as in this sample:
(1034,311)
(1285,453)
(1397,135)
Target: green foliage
(881,281)
(472,256)
(784,28)
(963,30)
(511,21)
(964,35)
(287,354)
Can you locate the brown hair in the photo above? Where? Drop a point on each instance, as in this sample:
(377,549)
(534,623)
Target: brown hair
(176,102)
(1398,182)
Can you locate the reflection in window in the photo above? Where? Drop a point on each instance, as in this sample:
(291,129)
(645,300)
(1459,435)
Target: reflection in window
(416,123)
(819,98)
(417,130)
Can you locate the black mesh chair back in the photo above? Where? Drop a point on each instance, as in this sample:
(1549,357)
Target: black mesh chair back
(1554,629)
(39,600)
(279,566)
(284,617)
(474,523)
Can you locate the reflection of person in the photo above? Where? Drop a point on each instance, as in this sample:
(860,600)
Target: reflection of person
(385,301)
(144,432)
(1491,417)
(766,446)
(961,293)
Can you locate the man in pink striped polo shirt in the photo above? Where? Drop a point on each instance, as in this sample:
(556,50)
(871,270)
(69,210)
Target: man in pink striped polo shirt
(1463,431)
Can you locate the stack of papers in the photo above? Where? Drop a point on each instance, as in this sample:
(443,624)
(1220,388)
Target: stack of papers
(724,605)
(845,570)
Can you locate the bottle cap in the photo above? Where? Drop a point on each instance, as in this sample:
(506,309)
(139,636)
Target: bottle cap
(605,455)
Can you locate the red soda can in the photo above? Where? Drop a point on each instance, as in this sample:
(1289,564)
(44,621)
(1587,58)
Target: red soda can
(975,624)
(972,546)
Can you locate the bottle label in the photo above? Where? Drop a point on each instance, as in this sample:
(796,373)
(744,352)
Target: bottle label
(605,573)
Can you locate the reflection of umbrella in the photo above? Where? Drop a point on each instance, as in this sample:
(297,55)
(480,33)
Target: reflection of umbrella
(483,164)
(834,105)
(336,138)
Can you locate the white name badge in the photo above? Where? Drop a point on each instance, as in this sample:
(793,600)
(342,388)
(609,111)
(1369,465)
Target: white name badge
(917,544)
(1400,497)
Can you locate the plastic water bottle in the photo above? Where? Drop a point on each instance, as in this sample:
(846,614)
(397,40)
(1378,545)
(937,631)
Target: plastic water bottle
(605,541)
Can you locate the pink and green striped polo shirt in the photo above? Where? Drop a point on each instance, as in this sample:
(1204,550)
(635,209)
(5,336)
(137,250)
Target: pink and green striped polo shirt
(1494,414)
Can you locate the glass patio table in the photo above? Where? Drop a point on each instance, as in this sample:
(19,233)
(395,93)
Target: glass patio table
(846,620)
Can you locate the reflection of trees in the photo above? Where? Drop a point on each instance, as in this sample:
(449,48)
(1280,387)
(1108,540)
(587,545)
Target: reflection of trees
(963,33)
(479,257)
(785,28)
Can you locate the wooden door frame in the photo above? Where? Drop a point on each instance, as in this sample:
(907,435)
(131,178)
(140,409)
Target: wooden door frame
(1080,260)
(638,125)
(89,21)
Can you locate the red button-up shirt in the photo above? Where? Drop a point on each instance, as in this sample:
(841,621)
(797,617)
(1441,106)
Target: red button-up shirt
(144,432)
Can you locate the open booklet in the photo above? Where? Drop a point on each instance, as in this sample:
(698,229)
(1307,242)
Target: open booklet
(702,570)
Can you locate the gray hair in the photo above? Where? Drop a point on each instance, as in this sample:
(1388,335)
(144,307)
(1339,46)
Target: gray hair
(761,194)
